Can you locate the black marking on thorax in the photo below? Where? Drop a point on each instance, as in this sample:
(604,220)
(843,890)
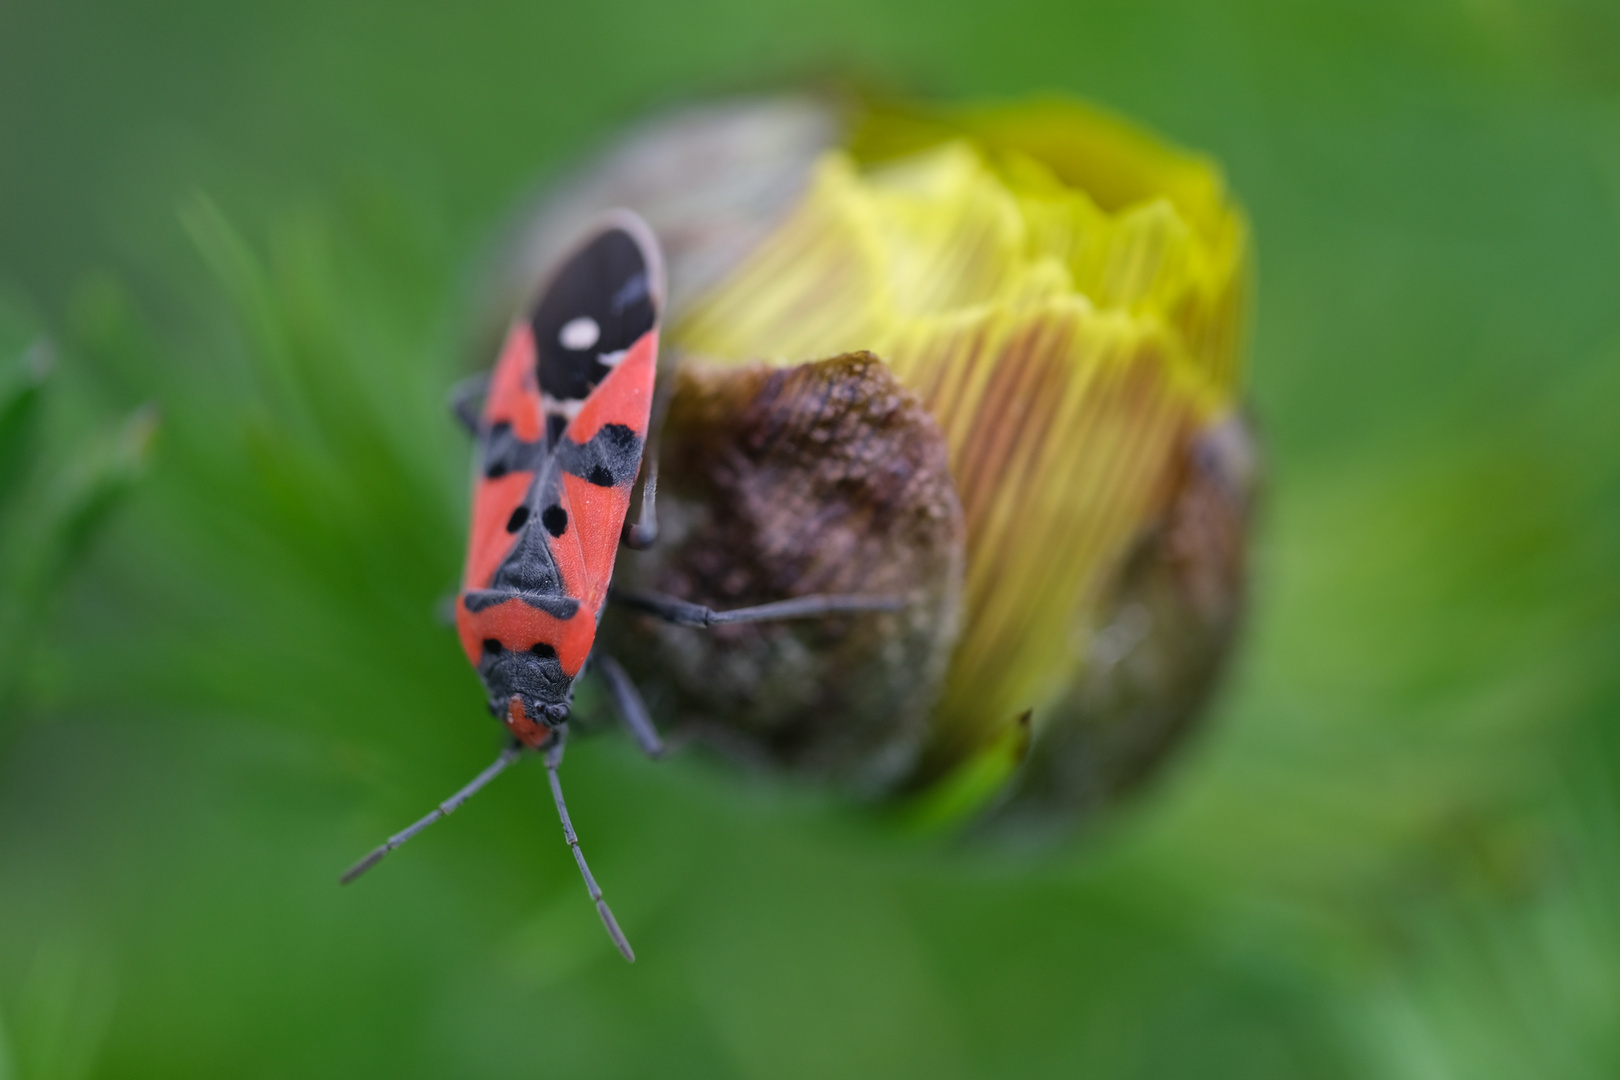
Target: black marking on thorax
(554,604)
(530,568)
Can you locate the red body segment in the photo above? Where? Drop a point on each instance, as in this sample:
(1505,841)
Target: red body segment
(561,433)
(596,515)
(490,543)
(514,388)
(588,546)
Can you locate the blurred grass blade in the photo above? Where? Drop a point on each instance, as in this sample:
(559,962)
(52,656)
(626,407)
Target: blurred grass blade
(96,483)
(87,491)
(20,405)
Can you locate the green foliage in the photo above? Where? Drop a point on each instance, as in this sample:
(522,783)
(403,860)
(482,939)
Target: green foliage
(1391,853)
(52,505)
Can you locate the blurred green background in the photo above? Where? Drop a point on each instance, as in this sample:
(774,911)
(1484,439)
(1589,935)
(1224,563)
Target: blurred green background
(1394,852)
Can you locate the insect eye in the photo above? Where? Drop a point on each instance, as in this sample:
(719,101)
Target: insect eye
(580,333)
(542,650)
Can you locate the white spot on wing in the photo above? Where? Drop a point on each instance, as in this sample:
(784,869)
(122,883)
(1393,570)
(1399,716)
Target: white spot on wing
(611,359)
(557,407)
(580,333)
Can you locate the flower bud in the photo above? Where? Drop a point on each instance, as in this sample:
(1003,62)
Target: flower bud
(1051,467)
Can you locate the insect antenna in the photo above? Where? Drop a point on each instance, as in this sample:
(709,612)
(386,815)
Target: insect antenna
(553,759)
(509,755)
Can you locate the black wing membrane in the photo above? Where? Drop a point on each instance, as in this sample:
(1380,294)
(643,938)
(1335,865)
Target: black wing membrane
(599,304)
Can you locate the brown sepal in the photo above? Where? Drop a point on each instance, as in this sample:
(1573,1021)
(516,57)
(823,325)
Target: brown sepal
(828,477)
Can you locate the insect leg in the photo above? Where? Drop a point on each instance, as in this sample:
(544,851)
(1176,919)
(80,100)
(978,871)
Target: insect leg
(509,755)
(642,533)
(682,613)
(465,398)
(553,759)
(632,710)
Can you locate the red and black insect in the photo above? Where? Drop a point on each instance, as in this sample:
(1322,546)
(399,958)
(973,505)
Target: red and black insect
(561,431)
